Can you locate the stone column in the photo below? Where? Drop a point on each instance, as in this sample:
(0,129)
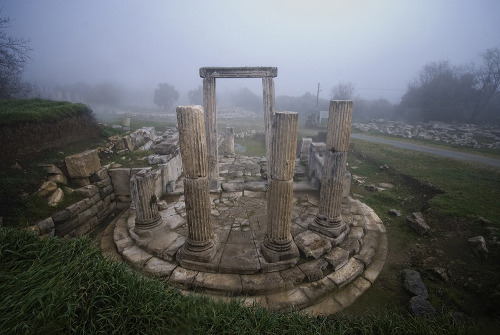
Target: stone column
(268,97)
(278,244)
(211,132)
(229,142)
(329,219)
(145,202)
(201,244)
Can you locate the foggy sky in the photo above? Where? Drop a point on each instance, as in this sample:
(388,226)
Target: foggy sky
(378,45)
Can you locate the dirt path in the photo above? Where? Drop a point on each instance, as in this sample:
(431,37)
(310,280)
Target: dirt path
(431,150)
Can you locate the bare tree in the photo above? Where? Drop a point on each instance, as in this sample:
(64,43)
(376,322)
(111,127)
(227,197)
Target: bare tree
(13,57)
(488,81)
(343,91)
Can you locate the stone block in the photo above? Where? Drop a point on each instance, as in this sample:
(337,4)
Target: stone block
(47,188)
(314,269)
(46,226)
(80,182)
(65,228)
(87,191)
(56,197)
(61,216)
(156,267)
(58,178)
(262,283)
(347,273)
(338,257)
(100,175)
(239,258)
(103,183)
(312,244)
(136,257)
(120,179)
(218,282)
(83,165)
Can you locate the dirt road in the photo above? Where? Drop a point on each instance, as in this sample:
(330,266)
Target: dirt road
(431,150)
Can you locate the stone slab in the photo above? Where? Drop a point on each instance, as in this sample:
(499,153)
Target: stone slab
(262,283)
(156,267)
(239,258)
(312,244)
(347,273)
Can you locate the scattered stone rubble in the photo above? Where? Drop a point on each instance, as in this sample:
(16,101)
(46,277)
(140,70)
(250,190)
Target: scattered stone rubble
(470,135)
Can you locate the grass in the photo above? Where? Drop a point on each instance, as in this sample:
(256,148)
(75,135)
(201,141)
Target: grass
(255,147)
(56,286)
(36,110)
(467,190)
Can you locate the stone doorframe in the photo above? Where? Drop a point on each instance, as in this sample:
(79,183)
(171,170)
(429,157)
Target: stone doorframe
(209,74)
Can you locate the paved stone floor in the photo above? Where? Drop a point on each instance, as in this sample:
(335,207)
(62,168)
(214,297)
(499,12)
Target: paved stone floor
(325,279)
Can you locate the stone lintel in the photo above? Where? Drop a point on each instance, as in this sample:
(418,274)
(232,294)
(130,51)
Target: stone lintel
(238,72)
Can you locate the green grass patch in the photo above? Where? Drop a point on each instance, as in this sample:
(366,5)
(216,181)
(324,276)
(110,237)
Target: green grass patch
(56,286)
(468,190)
(36,110)
(254,146)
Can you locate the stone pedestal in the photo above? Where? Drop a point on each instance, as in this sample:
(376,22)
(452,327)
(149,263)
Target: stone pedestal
(329,219)
(278,244)
(145,202)
(201,244)
(229,142)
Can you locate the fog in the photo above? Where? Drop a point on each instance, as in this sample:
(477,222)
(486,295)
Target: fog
(377,45)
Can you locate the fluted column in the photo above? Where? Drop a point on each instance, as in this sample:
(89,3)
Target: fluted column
(329,219)
(229,142)
(278,244)
(201,244)
(211,132)
(145,202)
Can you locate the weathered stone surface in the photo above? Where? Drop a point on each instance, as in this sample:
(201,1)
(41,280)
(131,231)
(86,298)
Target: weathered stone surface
(351,245)
(421,307)
(283,146)
(394,212)
(293,298)
(58,178)
(192,141)
(183,276)
(417,222)
(312,244)
(120,179)
(51,169)
(439,273)
(239,258)
(145,201)
(314,269)
(156,267)
(46,226)
(80,182)
(478,246)
(232,187)
(229,142)
(83,165)
(218,282)
(413,283)
(46,188)
(87,191)
(347,273)
(56,197)
(337,257)
(262,283)
(338,131)
(136,256)
(62,216)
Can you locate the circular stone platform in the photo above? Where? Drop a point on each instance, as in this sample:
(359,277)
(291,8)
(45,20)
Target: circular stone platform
(324,281)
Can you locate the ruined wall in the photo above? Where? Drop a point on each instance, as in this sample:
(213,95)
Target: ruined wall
(23,138)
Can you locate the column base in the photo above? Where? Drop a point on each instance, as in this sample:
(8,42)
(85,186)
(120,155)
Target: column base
(146,228)
(278,253)
(195,254)
(330,228)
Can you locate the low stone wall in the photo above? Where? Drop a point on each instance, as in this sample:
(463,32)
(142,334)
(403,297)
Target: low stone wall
(82,217)
(165,175)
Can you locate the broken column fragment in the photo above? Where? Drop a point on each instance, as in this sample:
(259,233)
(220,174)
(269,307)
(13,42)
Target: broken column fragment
(201,244)
(278,244)
(145,202)
(329,219)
